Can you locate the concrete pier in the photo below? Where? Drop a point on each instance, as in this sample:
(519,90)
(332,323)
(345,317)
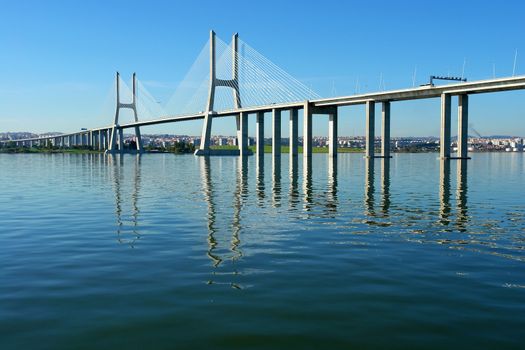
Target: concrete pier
(370,129)
(385,130)
(108,137)
(462,127)
(444,145)
(332,133)
(307,130)
(259,137)
(100,140)
(276,133)
(294,132)
(243,134)
(121,140)
(138,138)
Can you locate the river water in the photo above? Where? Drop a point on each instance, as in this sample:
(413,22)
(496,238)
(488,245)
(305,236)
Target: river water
(162,251)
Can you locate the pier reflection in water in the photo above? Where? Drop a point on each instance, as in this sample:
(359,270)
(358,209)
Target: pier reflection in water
(445,195)
(259,181)
(461,195)
(128,231)
(370,187)
(293,193)
(321,198)
(216,235)
(331,191)
(317,202)
(308,197)
(276,182)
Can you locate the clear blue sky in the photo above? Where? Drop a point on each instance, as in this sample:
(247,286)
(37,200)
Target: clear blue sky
(58,58)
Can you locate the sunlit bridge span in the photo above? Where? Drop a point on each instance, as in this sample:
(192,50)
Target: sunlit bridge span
(234,80)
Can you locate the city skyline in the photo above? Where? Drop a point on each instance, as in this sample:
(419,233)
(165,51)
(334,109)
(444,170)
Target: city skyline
(71,95)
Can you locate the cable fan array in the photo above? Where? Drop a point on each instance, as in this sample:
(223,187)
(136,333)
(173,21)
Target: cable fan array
(261,82)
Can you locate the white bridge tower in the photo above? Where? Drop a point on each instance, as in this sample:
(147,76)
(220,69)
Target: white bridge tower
(116,127)
(233,83)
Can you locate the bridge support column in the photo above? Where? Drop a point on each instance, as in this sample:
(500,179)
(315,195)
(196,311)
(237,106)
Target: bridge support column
(112,146)
(138,139)
(294,132)
(332,133)
(444,146)
(243,134)
(463,126)
(204,148)
(307,130)
(108,138)
(259,131)
(121,140)
(100,140)
(385,130)
(276,133)
(370,129)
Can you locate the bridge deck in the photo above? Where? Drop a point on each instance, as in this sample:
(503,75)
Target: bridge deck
(422,92)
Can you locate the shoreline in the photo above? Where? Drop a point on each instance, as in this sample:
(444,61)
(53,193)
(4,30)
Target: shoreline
(267,149)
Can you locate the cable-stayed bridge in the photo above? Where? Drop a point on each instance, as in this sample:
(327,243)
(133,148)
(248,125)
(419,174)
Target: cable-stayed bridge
(234,80)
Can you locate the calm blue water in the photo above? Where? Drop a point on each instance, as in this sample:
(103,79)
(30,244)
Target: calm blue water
(164,251)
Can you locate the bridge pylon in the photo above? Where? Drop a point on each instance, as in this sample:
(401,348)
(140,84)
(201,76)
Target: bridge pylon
(233,83)
(116,129)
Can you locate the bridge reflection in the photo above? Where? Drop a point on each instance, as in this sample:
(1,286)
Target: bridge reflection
(214,252)
(317,199)
(276,182)
(116,163)
(445,211)
(369,195)
(293,193)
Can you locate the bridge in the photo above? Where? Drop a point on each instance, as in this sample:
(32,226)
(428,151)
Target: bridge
(286,92)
